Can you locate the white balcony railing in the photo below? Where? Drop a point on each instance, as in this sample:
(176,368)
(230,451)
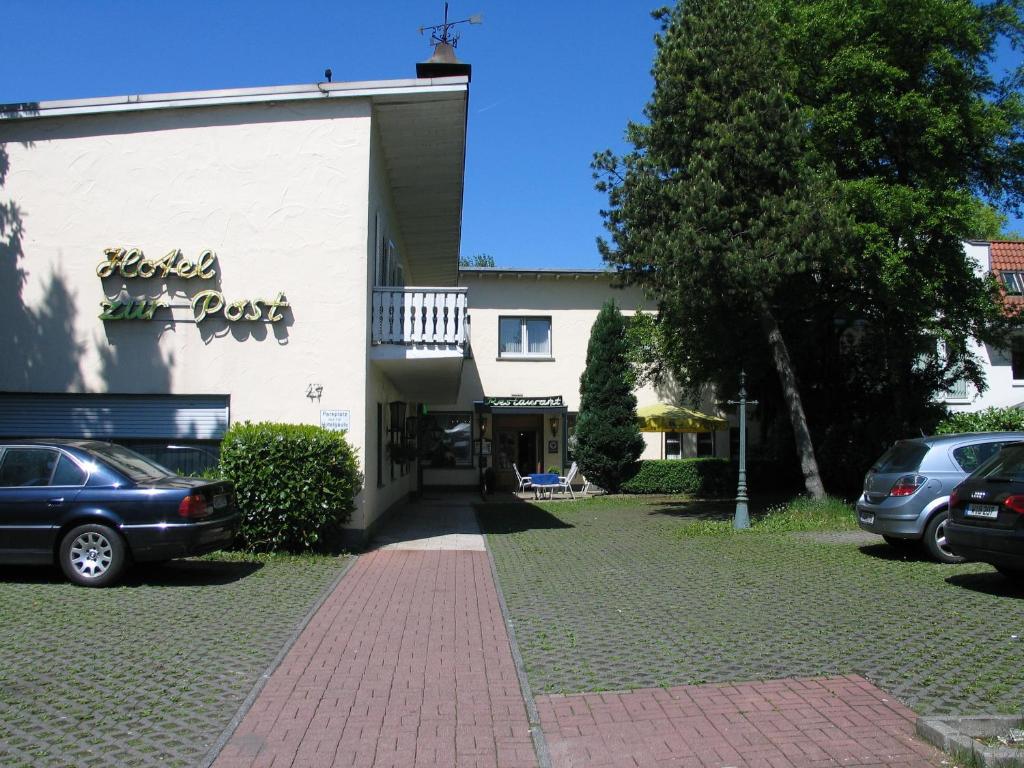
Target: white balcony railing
(420,316)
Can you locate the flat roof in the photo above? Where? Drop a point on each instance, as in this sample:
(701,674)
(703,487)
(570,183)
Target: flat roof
(537,271)
(277,93)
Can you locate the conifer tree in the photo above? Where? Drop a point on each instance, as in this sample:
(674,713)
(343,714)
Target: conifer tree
(608,441)
(717,211)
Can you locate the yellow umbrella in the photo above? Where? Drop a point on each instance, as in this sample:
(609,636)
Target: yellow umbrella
(662,417)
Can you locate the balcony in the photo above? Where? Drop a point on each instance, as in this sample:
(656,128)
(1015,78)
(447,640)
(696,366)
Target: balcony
(419,337)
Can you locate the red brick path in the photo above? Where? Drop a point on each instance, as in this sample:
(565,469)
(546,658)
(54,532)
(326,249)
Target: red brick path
(407,663)
(790,723)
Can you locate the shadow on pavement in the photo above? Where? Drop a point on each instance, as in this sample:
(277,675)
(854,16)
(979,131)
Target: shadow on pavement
(909,553)
(990,583)
(515,516)
(177,573)
(714,509)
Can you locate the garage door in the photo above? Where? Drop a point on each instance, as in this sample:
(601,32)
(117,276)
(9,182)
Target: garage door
(114,417)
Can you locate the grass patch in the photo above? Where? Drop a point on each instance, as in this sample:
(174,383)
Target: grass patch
(800,514)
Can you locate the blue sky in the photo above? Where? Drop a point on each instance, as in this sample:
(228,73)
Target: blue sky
(552,83)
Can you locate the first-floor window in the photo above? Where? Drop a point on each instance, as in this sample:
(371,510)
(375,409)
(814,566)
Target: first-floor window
(705,443)
(1017,358)
(524,337)
(448,439)
(673,445)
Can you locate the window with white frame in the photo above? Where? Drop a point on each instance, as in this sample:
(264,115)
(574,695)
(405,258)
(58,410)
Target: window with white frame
(1014,282)
(524,337)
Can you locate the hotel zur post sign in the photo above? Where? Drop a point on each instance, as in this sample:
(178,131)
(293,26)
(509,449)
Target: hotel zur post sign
(131,264)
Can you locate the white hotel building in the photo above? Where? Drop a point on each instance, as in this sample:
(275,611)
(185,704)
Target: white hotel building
(174,263)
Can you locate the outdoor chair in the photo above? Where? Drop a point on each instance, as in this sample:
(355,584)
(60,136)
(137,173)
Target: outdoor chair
(565,483)
(524,482)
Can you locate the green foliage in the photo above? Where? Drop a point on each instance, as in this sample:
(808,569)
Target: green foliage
(477,260)
(695,477)
(800,514)
(296,484)
(989,420)
(608,441)
(823,160)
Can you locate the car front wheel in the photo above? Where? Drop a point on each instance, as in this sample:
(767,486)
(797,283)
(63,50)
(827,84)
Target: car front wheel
(935,539)
(92,555)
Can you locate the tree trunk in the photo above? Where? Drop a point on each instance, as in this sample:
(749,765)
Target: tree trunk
(790,393)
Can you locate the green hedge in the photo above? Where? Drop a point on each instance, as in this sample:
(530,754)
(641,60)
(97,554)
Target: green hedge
(988,420)
(295,483)
(697,477)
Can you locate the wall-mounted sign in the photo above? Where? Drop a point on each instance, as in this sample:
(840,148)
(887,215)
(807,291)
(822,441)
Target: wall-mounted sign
(524,402)
(336,421)
(132,264)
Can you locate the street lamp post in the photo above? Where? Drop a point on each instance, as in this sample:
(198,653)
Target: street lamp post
(742,517)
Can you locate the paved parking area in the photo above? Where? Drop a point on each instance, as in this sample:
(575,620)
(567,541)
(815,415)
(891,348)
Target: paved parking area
(606,596)
(148,673)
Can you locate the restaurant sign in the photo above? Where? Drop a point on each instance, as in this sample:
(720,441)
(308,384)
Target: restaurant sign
(131,264)
(524,402)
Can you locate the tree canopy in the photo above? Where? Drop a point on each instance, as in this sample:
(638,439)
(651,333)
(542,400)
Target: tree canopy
(800,188)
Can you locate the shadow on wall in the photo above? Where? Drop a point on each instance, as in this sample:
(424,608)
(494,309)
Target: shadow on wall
(39,348)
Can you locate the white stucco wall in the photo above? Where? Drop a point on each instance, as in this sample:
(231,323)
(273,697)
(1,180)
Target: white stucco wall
(279,192)
(572,302)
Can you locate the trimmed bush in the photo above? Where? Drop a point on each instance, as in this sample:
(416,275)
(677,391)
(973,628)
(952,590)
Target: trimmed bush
(988,420)
(295,483)
(697,477)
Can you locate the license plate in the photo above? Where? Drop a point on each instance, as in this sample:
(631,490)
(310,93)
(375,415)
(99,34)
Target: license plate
(867,517)
(220,501)
(986,511)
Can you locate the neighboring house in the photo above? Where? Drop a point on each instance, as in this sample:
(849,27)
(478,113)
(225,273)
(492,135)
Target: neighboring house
(1004,368)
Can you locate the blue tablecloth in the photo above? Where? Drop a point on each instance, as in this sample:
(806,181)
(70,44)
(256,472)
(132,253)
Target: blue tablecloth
(544,478)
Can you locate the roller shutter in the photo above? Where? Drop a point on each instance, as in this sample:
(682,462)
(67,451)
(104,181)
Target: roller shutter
(112,417)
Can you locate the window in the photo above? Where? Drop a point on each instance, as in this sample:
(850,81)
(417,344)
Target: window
(1017,358)
(38,466)
(524,337)
(1014,282)
(673,445)
(970,457)
(705,444)
(447,439)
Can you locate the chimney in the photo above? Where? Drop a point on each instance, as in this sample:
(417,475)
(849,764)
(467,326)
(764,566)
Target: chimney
(443,63)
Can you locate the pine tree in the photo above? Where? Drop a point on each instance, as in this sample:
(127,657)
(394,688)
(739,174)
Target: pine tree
(608,441)
(717,211)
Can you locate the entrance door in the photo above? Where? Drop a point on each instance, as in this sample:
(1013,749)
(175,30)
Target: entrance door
(514,446)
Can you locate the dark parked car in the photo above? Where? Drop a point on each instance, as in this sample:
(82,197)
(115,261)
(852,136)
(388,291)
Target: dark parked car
(906,492)
(94,507)
(986,513)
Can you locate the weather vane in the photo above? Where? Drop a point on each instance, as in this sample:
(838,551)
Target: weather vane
(441,34)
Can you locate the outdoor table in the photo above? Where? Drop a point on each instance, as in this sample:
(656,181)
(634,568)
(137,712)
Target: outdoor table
(544,481)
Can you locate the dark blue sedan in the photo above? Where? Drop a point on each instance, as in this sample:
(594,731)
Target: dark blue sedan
(95,507)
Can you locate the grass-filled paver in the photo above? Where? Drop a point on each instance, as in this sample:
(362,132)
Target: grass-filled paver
(149,672)
(614,593)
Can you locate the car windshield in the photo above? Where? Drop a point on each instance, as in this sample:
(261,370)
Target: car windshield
(129,463)
(1007,465)
(902,457)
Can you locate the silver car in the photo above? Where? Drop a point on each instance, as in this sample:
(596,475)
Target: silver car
(906,492)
